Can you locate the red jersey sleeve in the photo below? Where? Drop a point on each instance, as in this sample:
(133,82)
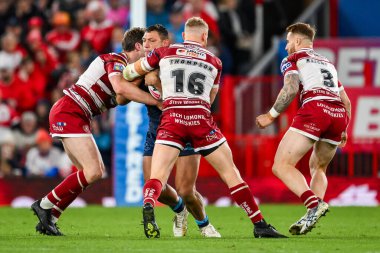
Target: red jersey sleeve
(288,65)
(114,65)
(152,60)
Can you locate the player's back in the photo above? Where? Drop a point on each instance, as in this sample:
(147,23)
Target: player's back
(93,91)
(318,76)
(188,72)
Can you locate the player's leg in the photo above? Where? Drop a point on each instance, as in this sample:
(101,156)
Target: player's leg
(291,149)
(221,159)
(187,167)
(86,156)
(168,195)
(163,160)
(321,156)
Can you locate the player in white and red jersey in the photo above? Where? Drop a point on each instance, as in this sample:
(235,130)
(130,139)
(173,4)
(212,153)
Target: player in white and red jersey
(190,78)
(320,123)
(98,89)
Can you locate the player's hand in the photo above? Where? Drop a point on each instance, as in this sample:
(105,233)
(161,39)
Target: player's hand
(152,78)
(264,120)
(343,141)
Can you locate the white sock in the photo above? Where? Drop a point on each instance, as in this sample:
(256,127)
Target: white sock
(46,203)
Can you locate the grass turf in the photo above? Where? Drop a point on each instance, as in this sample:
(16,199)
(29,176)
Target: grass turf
(98,229)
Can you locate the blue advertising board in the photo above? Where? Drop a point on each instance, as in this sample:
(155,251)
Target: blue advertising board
(131,124)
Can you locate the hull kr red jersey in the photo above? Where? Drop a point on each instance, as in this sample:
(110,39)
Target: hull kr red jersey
(93,91)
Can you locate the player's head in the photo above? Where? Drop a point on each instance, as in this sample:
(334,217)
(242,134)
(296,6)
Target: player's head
(299,35)
(196,29)
(132,43)
(155,36)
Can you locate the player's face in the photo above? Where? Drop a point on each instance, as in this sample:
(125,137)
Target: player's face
(290,43)
(151,40)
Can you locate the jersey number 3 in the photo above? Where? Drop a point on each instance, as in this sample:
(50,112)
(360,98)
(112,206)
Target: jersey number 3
(194,83)
(327,78)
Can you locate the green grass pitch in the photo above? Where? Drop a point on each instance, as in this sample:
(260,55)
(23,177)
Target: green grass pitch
(98,229)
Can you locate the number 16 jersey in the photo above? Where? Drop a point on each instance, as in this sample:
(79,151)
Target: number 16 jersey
(318,77)
(188,72)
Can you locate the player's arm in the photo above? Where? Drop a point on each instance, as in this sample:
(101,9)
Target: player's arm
(347,105)
(130,91)
(213,93)
(284,98)
(134,70)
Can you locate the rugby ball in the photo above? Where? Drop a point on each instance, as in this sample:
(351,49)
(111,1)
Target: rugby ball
(154,92)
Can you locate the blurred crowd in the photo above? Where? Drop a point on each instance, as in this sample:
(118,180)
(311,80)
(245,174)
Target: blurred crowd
(46,44)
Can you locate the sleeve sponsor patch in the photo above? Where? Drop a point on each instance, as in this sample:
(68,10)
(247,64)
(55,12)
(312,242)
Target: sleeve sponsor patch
(285,66)
(118,67)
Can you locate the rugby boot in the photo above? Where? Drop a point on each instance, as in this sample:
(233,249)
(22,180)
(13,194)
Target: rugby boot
(264,230)
(150,226)
(44,215)
(313,215)
(210,231)
(180,223)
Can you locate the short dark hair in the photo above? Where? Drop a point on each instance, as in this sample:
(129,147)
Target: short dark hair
(302,28)
(131,37)
(160,29)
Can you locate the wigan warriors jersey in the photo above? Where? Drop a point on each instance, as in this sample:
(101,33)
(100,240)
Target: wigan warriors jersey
(318,76)
(188,72)
(93,91)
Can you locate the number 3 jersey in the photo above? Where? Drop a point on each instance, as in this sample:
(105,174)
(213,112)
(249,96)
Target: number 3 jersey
(188,72)
(318,77)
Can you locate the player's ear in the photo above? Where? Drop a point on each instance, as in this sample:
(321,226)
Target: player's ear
(183,35)
(165,43)
(138,46)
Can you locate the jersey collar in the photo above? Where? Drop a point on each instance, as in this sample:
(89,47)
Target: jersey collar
(192,42)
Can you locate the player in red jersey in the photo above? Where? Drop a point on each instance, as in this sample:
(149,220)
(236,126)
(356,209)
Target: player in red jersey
(190,77)
(98,89)
(320,123)
(187,164)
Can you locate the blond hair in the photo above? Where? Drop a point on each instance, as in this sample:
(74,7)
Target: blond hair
(195,24)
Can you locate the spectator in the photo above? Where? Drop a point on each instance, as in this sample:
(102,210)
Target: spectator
(9,162)
(44,159)
(29,85)
(118,13)
(206,10)
(5,14)
(7,88)
(42,113)
(177,24)
(237,26)
(25,134)
(156,13)
(62,37)
(9,54)
(99,31)
(8,118)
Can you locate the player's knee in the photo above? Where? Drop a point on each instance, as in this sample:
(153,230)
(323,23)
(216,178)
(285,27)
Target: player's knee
(186,193)
(94,175)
